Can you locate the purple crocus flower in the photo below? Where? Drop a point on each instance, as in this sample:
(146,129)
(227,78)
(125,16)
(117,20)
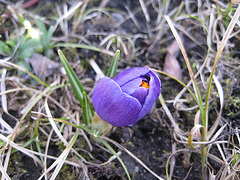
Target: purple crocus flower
(128,97)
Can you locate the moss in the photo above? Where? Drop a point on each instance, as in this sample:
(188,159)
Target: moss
(66,172)
(14,167)
(22,167)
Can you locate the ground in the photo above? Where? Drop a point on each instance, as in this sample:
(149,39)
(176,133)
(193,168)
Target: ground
(89,33)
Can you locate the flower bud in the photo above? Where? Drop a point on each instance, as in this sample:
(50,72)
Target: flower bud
(128,97)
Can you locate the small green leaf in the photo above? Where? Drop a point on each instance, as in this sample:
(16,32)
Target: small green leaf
(48,41)
(5,48)
(113,68)
(41,26)
(27,48)
(236,158)
(45,36)
(49,35)
(20,18)
(74,81)
(11,43)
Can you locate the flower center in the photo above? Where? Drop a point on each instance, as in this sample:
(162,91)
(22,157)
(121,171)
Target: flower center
(144,84)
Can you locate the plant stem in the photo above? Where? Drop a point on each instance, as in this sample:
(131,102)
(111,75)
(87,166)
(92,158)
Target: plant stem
(204,153)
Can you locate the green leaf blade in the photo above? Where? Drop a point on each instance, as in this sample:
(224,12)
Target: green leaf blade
(113,67)
(73,79)
(87,116)
(117,156)
(75,82)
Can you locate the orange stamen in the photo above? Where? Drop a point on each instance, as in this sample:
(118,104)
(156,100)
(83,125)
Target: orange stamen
(144,84)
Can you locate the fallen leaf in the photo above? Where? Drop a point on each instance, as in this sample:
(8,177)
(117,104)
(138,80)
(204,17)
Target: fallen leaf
(171,64)
(42,66)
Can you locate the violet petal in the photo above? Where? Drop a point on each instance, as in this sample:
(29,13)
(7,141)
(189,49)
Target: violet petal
(131,86)
(140,94)
(129,74)
(153,94)
(114,106)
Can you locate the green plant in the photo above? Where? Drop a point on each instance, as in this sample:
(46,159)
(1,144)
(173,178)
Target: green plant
(46,36)
(31,41)
(80,93)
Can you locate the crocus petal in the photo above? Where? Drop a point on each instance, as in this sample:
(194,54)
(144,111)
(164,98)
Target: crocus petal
(128,97)
(140,94)
(131,86)
(127,75)
(114,106)
(153,94)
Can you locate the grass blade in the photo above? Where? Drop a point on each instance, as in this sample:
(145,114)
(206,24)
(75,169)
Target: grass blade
(194,82)
(114,152)
(87,116)
(74,81)
(84,46)
(12,65)
(219,52)
(113,68)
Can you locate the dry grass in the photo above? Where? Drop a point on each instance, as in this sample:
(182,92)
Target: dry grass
(89,33)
